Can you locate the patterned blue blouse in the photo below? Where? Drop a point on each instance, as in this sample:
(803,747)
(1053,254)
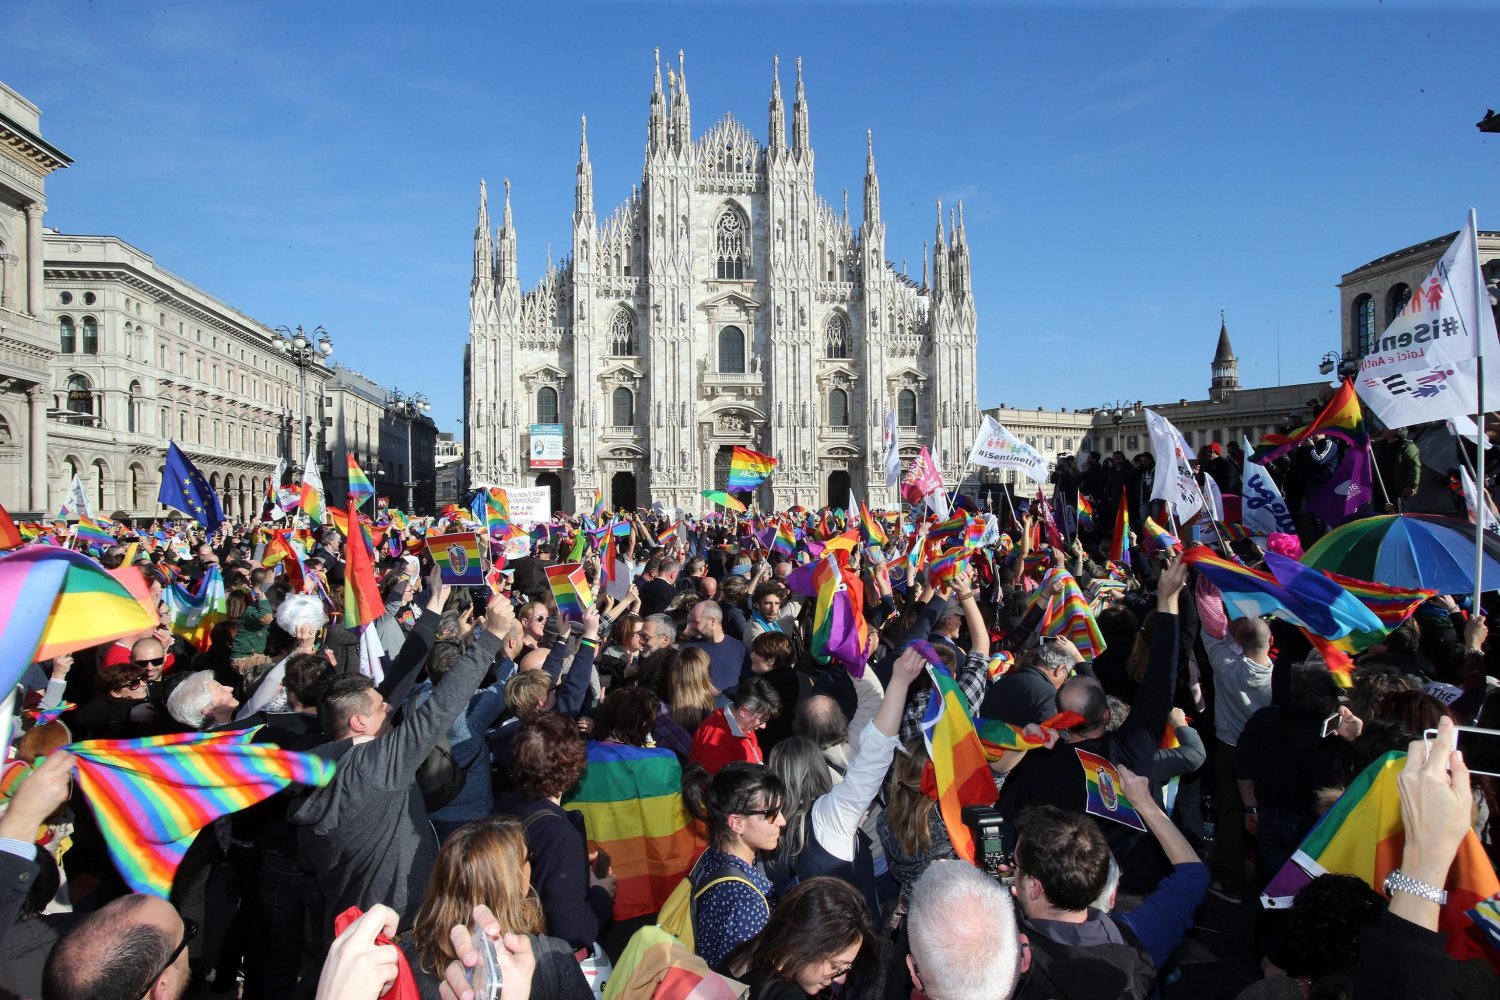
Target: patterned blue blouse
(730,913)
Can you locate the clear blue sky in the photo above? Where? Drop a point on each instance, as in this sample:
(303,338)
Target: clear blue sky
(1126,173)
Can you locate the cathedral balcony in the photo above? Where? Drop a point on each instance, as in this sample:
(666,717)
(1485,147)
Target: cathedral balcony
(733,385)
(834,291)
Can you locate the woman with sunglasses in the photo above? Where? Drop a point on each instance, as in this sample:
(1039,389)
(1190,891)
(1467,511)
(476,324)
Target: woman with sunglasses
(819,935)
(121,707)
(487,863)
(622,651)
(741,805)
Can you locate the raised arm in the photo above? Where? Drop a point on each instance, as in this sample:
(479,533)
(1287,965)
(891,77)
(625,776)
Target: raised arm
(1153,700)
(575,683)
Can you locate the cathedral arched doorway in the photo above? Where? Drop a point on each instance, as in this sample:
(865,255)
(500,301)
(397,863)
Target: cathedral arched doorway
(838,489)
(622,491)
(553,482)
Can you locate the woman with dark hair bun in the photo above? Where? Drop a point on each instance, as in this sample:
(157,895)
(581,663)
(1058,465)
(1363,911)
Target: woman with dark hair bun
(819,934)
(742,807)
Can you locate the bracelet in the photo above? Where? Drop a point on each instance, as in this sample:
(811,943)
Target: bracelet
(1251,811)
(1399,881)
(589,642)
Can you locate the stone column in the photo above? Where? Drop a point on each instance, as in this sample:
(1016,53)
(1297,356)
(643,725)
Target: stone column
(34,258)
(36,446)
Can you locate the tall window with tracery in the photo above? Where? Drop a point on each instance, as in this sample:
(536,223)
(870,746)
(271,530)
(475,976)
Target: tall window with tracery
(730,246)
(838,336)
(622,333)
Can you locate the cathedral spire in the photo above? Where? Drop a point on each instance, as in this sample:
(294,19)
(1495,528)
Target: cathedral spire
(777,131)
(656,130)
(924,263)
(800,141)
(682,110)
(583,209)
(937,244)
(961,235)
(846,208)
(505,262)
(939,259)
(872,183)
(484,248)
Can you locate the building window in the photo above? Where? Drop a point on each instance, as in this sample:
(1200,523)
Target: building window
(730,246)
(182,427)
(89,298)
(66,298)
(1049,442)
(1132,442)
(67,336)
(546,405)
(837,336)
(90,335)
(132,418)
(1364,324)
(732,350)
(838,408)
(1396,300)
(164,426)
(623,407)
(906,408)
(80,395)
(622,333)
(163,357)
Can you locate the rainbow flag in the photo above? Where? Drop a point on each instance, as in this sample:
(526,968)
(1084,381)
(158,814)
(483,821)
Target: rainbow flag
(1341,419)
(945,570)
(362,603)
(360,489)
(959,766)
(151,796)
(1104,797)
(873,533)
(458,556)
(609,563)
(1362,835)
(839,632)
(54,601)
(44,716)
(631,801)
(195,614)
(599,511)
(571,590)
(1161,536)
(748,469)
(1293,592)
(11,537)
(1391,605)
(1085,513)
(1068,614)
(1119,546)
(783,541)
(281,552)
(92,534)
(312,492)
(957,530)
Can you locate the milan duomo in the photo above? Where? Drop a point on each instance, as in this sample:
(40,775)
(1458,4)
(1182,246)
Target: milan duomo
(722,303)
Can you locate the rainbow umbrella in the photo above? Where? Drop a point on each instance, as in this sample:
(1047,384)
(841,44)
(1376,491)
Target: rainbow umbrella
(1408,550)
(723,500)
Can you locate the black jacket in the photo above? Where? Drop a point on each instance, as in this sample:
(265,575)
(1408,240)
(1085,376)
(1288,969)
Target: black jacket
(575,911)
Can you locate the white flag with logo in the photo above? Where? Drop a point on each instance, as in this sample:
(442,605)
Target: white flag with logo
(997,448)
(1471,500)
(892,451)
(1422,367)
(77,500)
(1262,507)
(1174,480)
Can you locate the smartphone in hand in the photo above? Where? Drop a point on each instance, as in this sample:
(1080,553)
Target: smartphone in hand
(484,978)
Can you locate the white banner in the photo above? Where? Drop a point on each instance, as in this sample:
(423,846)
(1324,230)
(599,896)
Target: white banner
(77,500)
(1262,507)
(1174,480)
(892,451)
(1422,367)
(997,448)
(529,505)
(1471,500)
(546,446)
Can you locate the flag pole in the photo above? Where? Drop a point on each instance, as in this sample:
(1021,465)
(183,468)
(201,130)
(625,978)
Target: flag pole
(1395,501)
(960,484)
(1479,347)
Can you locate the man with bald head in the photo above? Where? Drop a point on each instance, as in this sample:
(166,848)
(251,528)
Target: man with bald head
(151,654)
(134,947)
(1240,655)
(727,656)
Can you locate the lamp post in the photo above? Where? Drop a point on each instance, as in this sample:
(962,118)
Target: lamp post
(1347,365)
(408,407)
(302,352)
(1118,411)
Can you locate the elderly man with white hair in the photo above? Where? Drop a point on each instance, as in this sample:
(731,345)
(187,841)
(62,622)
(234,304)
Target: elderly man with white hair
(200,702)
(962,930)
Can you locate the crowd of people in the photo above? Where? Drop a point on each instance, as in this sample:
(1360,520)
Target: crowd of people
(781,814)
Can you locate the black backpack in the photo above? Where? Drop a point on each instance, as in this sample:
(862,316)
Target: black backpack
(1091,972)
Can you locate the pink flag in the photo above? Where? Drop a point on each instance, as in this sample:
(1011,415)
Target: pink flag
(923,480)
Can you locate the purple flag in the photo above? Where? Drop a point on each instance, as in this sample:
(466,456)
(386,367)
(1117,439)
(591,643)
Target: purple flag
(1347,490)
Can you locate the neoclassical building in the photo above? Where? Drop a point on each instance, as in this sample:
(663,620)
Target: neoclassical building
(722,303)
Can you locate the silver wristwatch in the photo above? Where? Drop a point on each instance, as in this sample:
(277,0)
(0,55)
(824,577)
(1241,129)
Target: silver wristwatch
(1398,881)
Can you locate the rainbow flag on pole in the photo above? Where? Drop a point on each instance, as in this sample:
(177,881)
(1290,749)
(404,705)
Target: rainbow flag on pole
(360,489)
(151,796)
(784,542)
(1362,835)
(1119,546)
(571,590)
(748,469)
(959,767)
(93,535)
(1085,513)
(631,801)
(459,557)
(362,603)
(839,630)
(599,511)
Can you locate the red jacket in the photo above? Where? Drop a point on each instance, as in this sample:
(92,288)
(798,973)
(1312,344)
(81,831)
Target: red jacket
(719,741)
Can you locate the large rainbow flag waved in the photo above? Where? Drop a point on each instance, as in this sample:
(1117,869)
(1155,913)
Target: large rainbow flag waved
(195,614)
(840,631)
(151,796)
(631,801)
(748,469)
(958,759)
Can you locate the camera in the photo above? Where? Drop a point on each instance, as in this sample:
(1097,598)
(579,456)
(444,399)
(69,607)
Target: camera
(994,841)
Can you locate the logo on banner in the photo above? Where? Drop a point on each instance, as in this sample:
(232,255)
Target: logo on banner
(458,559)
(1420,384)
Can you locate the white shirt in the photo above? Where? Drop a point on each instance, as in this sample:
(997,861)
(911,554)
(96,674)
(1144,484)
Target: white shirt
(1241,687)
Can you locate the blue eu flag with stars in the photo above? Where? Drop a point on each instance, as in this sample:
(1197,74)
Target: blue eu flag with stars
(187,489)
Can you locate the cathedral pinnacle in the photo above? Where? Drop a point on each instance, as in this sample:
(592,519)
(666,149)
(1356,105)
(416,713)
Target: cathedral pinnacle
(484,207)
(505,219)
(937,244)
(777,131)
(800,140)
(872,183)
(656,88)
(583,141)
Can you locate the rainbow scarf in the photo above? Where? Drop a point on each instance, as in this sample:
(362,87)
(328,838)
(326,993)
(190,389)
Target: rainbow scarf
(1362,835)
(55,601)
(195,614)
(748,469)
(571,590)
(631,801)
(360,489)
(151,796)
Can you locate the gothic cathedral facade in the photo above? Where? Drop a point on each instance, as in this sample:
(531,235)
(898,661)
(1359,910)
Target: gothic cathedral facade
(723,303)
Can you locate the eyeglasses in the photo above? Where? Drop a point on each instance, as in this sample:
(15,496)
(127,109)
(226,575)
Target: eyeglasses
(839,971)
(128,685)
(158,661)
(539,618)
(189,931)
